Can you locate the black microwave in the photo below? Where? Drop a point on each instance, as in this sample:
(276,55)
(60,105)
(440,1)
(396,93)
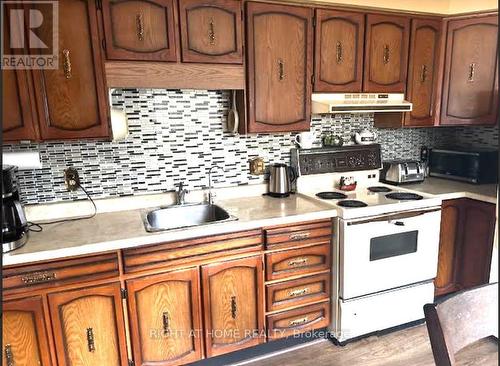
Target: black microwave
(476,166)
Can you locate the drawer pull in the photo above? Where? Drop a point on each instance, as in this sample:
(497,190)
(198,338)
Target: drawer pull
(90,340)
(297,262)
(211,32)
(299,321)
(298,292)
(423,75)
(281,70)
(472,71)
(139,19)
(339,52)
(9,357)
(66,64)
(38,277)
(299,236)
(166,323)
(387,53)
(233,307)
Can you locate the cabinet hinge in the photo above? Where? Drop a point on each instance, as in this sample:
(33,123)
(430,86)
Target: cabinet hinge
(131,363)
(313,79)
(314,21)
(124,293)
(103,43)
(99,4)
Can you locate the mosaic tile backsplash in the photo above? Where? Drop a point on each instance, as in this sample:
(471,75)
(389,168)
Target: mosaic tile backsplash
(176,135)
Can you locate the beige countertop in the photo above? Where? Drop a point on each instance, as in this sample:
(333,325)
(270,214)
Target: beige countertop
(124,229)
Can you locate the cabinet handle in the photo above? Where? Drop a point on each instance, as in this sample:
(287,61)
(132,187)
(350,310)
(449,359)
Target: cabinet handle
(298,321)
(297,262)
(211,32)
(90,340)
(233,307)
(299,236)
(472,71)
(38,277)
(139,19)
(166,323)
(281,69)
(423,74)
(9,357)
(386,54)
(339,52)
(66,64)
(298,292)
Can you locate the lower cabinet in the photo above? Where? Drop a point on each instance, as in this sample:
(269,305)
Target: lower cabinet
(233,305)
(24,335)
(88,326)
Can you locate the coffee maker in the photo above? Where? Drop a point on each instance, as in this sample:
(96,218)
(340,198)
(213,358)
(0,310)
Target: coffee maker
(14,224)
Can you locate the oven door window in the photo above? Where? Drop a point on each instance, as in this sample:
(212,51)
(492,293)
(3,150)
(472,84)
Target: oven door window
(393,245)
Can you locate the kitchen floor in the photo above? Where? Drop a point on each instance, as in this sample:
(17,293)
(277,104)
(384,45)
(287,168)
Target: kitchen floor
(408,347)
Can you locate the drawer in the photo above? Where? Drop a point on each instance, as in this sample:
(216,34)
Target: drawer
(63,272)
(298,321)
(297,261)
(316,232)
(298,292)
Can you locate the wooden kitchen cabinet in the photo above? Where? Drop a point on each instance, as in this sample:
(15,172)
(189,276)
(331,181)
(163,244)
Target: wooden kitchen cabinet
(338,51)
(233,305)
(211,31)
(88,326)
(72,100)
(140,29)
(423,72)
(386,53)
(165,318)
(279,67)
(466,244)
(24,335)
(470,88)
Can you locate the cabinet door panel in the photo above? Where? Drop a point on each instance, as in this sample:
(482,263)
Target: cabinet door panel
(339,51)
(165,318)
(470,89)
(89,326)
(423,72)
(386,55)
(279,67)
(232,294)
(24,336)
(65,111)
(211,31)
(140,29)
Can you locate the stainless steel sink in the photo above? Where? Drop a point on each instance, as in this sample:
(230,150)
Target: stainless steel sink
(177,217)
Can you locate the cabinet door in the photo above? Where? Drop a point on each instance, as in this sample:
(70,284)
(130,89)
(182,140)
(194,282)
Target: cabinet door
(279,67)
(72,100)
(386,54)
(140,29)
(24,336)
(233,305)
(338,51)
(470,88)
(89,326)
(423,72)
(165,318)
(211,31)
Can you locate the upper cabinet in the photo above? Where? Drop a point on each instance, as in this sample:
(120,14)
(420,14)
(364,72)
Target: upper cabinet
(386,54)
(338,51)
(470,88)
(211,31)
(423,72)
(140,29)
(279,67)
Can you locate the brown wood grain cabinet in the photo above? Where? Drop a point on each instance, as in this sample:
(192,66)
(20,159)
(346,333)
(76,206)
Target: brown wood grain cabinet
(470,88)
(279,54)
(423,72)
(338,51)
(24,335)
(466,244)
(233,305)
(211,31)
(72,100)
(140,29)
(165,318)
(386,53)
(88,326)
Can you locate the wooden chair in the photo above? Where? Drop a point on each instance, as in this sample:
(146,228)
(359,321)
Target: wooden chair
(460,320)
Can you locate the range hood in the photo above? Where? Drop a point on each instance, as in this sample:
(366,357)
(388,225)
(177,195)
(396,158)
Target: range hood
(359,103)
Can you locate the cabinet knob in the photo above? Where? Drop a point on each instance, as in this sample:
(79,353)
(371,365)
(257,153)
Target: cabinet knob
(139,20)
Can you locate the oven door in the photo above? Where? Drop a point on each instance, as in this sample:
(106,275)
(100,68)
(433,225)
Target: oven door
(389,251)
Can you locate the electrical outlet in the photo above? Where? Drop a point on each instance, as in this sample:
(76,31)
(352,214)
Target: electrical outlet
(72,179)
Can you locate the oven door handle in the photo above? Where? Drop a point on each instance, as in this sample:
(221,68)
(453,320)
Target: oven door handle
(394,217)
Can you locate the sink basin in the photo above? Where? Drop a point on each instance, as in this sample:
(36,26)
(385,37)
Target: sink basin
(176,217)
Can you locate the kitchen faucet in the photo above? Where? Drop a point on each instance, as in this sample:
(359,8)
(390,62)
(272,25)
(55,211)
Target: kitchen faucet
(180,194)
(210,194)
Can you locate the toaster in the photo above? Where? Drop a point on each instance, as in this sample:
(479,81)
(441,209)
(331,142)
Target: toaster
(402,171)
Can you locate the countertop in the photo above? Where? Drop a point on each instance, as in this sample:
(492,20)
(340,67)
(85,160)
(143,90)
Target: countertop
(124,229)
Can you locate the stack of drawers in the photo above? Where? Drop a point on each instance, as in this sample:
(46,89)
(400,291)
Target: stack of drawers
(298,277)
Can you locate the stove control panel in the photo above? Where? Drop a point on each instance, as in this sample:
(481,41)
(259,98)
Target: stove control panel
(336,160)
